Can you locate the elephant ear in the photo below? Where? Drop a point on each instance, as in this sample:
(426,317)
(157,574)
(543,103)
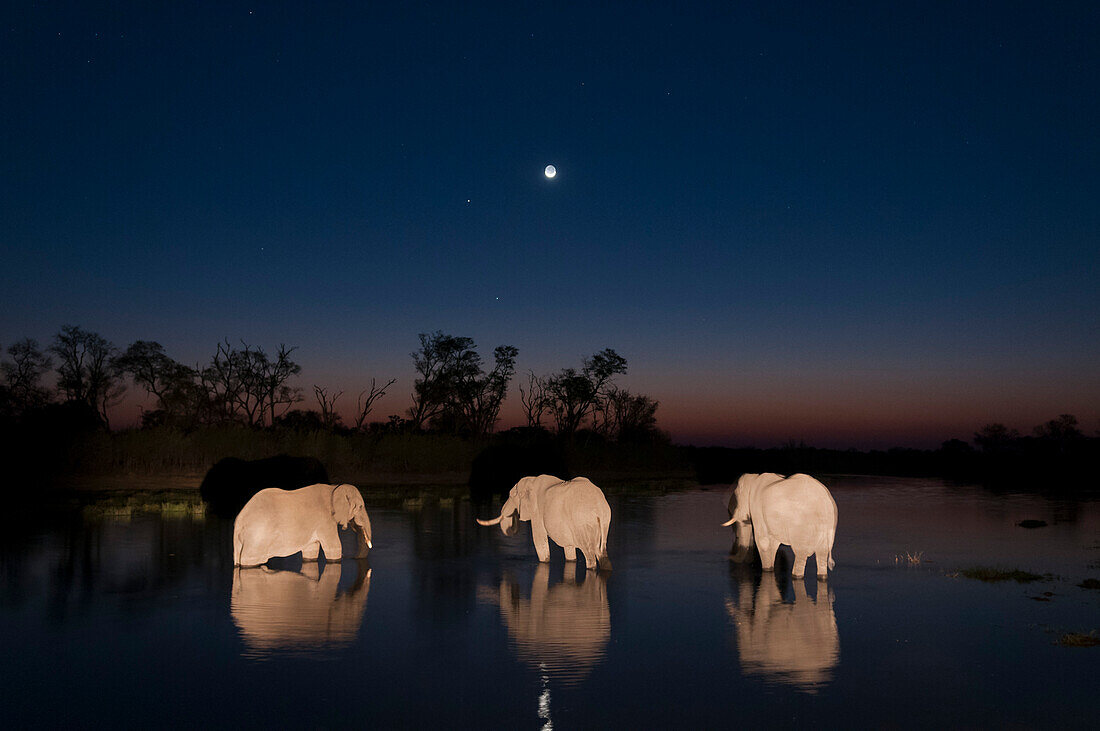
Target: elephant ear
(343,503)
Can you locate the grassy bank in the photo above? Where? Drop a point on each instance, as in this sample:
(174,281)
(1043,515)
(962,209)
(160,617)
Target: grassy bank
(154,458)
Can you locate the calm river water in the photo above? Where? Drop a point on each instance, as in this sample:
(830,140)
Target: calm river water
(143,621)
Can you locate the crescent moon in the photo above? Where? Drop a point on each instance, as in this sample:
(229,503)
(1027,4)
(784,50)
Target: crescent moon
(550,171)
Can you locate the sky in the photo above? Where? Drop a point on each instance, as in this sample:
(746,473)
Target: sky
(850,224)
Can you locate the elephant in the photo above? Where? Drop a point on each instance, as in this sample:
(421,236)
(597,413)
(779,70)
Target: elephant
(797,511)
(283,522)
(521,451)
(563,629)
(291,611)
(795,643)
(231,482)
(574,514)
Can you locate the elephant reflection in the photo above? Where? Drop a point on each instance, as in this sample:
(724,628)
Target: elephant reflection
(562,630)
(796,644)
(291,611)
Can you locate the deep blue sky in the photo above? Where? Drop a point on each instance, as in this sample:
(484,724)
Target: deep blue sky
(854,224)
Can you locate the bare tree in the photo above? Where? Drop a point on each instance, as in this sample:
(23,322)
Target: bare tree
(365,402)
(247,386)
(329,418)
(535,399)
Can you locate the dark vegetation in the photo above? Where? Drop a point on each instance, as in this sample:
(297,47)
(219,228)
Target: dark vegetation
(993,575)
(242,404)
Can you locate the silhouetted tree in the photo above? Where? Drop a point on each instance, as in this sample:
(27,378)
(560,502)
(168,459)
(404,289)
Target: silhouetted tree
(365,403)
(994,437)
(453,392)
(86,371)
(172,384)
(626,416)
(1060,429)
(329,418)
(575,395)
(534,399)
(23,374)
(247,386)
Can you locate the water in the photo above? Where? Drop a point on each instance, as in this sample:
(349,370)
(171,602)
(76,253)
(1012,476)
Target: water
(143,621)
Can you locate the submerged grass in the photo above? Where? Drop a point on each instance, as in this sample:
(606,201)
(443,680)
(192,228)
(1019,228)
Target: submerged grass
(909,558)
(993,575)
(1079,639)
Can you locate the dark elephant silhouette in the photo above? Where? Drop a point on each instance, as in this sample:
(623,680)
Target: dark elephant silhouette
(232,482)
(497,468)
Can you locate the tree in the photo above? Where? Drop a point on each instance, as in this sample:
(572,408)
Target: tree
(1061,429)
(535,399)
(247,386)
(995,437)
(480,398)
(329,418)
(453,392)
(365,403)
(627,417)
(172,384)
(23,373)
(86,371)
(574,396)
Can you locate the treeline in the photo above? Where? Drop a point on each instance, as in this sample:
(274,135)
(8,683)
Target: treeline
(1056,457)
(455,393)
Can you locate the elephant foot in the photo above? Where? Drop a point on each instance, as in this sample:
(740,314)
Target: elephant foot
(822,577)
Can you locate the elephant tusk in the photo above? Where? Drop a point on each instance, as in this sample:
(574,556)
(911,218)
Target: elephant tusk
(729,522)
(494,521)
(369,545)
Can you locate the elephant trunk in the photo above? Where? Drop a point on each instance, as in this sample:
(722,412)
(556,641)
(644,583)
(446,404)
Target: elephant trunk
(362,535)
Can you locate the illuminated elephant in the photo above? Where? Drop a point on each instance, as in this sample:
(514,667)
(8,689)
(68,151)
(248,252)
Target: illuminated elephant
(573,514)
(797,511)
(283,522)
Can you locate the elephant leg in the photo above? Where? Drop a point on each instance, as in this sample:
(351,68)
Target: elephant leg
(798,567)
(542,542)
(330,544)
(589,558)
(570,553)
(824,557)
(767,549)
(310,552)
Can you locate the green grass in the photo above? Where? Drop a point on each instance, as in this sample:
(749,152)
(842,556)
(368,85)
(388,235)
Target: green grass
(992,575)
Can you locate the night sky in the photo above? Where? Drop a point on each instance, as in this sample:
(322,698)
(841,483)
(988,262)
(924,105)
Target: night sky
(869,224)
